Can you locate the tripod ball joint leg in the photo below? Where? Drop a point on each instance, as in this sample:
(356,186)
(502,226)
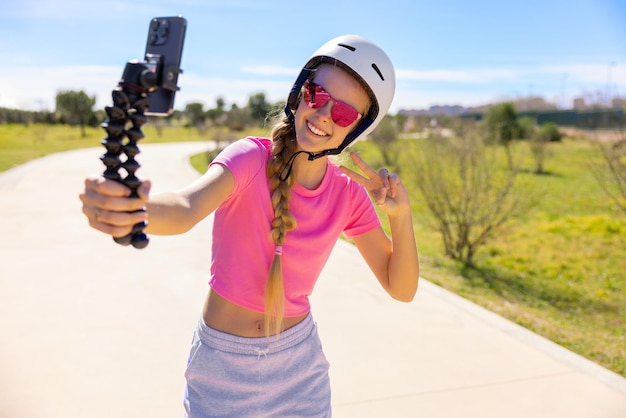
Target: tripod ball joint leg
(123,128)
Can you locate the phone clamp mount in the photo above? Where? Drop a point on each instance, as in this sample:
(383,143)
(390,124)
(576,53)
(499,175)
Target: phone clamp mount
(123,128)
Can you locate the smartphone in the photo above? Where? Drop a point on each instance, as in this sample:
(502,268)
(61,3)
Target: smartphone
(164,50)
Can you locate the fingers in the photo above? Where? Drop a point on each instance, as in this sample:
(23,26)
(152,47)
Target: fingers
(106,187)
(362,164)
(144,190)
(383,173)
(116,224)
(111,196)
(370,174)
(380,184)
(354,175)
(394,181)
(114,219)
(108,208)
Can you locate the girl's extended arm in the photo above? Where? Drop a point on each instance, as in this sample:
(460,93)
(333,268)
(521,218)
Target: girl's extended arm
(108,208)
(177,212)
(395,261)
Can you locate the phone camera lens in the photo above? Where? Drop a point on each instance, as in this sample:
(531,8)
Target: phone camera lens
(163,30)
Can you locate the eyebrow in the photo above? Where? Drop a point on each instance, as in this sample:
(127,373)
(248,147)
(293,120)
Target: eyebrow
(362,112)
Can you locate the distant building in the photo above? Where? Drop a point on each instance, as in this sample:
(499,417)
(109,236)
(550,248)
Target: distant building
(452,110)
(533,103)
(579,103)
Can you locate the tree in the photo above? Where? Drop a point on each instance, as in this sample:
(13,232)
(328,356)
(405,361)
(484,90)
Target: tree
(258,107)
(539,142)
(75,107)
(503,127)
(237,118)
(527,127)
(467,191)
(611,173)
(195,114)
(385,136)
(216,114)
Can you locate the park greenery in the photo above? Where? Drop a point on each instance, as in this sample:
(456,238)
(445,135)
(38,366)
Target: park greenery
(525,219)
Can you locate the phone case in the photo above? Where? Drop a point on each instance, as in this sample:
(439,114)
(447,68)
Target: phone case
(166,36)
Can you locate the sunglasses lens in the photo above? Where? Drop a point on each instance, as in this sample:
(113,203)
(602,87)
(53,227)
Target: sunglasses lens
(315,96)
(341,113)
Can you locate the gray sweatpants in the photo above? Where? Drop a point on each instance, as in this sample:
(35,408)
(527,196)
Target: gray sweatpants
(231,376)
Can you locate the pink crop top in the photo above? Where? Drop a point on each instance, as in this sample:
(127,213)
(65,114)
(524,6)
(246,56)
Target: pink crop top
(243,248)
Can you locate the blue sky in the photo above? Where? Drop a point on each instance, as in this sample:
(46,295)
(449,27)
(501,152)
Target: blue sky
(445,52)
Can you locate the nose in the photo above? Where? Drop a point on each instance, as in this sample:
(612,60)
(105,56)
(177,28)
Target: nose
(325,111)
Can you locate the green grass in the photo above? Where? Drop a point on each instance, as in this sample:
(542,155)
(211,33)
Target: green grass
(560,271)
(22,143)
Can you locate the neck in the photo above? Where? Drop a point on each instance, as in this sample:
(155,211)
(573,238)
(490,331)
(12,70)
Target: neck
(309,173)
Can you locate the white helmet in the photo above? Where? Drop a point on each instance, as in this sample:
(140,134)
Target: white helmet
(367,63)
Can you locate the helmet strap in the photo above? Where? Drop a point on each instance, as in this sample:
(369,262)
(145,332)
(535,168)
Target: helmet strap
(288,167)
(282,176)
(294,94)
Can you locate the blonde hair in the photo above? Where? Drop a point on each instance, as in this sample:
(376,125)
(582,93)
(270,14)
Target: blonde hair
(284,150)
(284,146)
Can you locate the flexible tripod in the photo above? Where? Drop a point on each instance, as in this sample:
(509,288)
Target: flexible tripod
(123,128)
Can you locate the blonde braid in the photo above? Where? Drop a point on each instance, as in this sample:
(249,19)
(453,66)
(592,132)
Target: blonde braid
(284,145)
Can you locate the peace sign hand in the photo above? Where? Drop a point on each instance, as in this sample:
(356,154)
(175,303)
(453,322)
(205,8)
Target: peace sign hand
(386,189)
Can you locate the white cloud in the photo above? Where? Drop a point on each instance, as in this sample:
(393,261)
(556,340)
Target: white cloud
(196,88)
(30,87)
(416,99)
(591,73)
(472,76)
(271,70)
(65,10)
(36,88)
(581,73)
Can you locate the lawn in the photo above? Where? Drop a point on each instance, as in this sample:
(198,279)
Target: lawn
(560,270)
(21,143)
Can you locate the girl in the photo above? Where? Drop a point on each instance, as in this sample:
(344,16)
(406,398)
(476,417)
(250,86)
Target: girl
(280,205)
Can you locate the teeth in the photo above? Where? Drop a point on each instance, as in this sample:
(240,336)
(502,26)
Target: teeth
(316,131)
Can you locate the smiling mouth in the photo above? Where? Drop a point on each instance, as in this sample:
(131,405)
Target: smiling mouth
(315,130)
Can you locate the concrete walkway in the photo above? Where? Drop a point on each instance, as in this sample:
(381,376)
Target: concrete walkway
(92,329)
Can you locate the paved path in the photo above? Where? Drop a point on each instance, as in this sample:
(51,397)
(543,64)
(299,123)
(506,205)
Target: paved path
(92,329)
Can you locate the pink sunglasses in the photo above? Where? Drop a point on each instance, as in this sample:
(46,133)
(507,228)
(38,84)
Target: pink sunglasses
(315,96)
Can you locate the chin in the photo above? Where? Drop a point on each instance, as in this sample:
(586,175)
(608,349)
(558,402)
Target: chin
(313,147)
(310,142)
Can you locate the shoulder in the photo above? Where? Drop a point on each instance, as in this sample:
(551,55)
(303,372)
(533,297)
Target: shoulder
(245,151)
(249,145)
(257,142)
(245,158)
